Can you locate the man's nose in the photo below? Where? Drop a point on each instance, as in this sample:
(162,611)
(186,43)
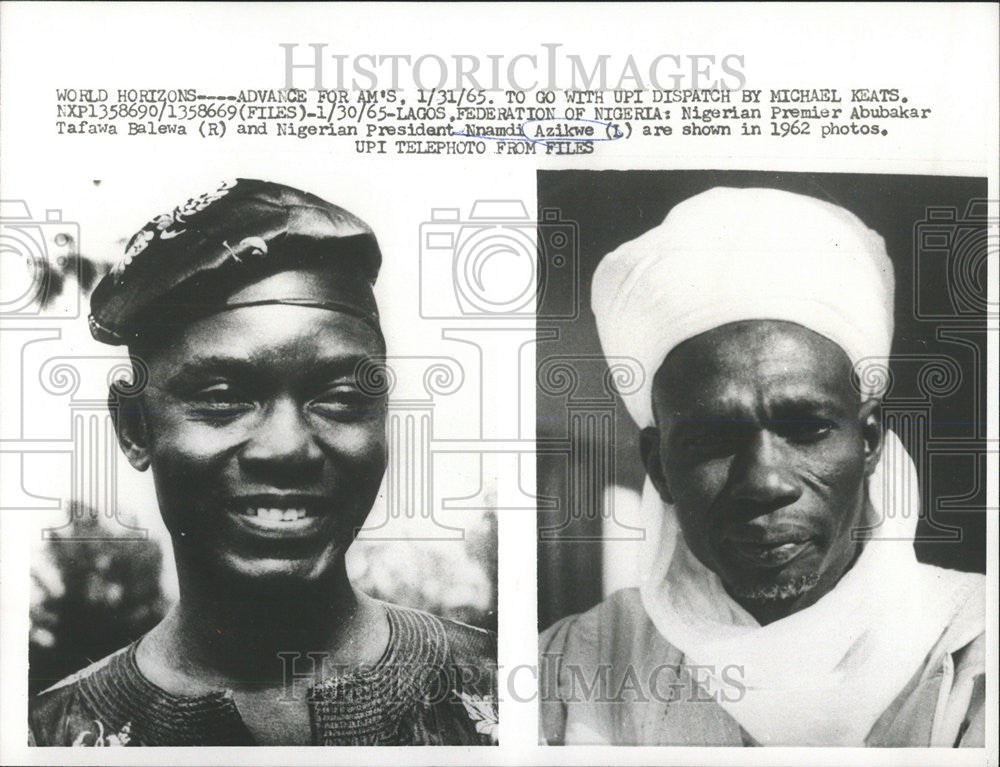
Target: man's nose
(765,478)
(282,440)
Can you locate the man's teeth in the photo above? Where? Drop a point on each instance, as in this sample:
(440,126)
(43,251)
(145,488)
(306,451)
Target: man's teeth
(277,515)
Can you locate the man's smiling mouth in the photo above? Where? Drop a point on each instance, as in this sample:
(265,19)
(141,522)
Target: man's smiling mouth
(275,514)
(279,515)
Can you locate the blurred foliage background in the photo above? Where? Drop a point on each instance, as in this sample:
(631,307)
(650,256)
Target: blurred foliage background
(90,597)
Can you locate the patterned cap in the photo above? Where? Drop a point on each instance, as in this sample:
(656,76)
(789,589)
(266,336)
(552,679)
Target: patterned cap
(183,264)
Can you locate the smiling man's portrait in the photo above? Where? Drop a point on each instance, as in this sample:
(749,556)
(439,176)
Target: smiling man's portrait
(777,597)
(257,403)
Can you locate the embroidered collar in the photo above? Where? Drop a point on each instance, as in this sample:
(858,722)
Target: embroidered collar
(364,706)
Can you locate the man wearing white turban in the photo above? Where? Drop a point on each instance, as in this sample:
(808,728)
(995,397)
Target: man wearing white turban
(782,603)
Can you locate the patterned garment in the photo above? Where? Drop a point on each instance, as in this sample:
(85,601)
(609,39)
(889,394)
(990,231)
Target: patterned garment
(434,685)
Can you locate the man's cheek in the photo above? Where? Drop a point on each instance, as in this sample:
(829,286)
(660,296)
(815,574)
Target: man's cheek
(181,440)
(365,450)
(187,478)
(692,508)
(840,486)
(840,476)
(364,441)
(698,487)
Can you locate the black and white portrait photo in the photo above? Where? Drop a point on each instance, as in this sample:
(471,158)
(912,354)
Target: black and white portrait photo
(253,385)
(761,453)
(499,384)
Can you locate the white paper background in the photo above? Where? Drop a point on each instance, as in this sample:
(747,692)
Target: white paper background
(942,56)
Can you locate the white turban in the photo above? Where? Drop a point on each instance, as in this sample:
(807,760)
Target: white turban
(745,254)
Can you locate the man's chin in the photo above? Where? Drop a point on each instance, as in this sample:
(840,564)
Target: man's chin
(776,590)
(271,574)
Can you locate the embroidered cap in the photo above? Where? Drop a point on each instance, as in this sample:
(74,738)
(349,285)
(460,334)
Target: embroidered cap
(183,264)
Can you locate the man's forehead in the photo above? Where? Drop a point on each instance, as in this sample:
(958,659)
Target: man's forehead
(755,360)
(270,335)
(751,345)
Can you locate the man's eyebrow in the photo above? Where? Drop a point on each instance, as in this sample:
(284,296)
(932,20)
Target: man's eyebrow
(808,402)
(214,363)
(199,365)
(785,407)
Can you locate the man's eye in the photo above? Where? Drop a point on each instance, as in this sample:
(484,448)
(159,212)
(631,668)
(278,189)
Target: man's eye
(344,402)
(720,439)
(221,400)
(805,430)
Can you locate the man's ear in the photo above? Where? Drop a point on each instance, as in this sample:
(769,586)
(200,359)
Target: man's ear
(130,426)
(649,448)
(870,417)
